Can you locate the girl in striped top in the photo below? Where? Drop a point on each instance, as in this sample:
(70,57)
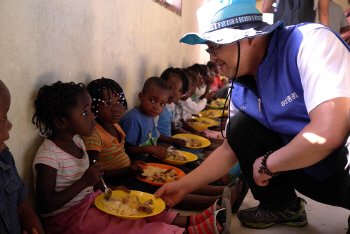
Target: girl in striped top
(64,180)
(106,144)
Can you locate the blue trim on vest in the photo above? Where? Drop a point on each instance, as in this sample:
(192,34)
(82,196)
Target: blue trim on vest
(282,110)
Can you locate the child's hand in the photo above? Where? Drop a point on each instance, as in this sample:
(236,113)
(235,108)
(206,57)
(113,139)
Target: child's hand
(136,169)
(136,162)
(209,97)
(201,133)
(93,174)
(120,188)
(179,143)
(160,152)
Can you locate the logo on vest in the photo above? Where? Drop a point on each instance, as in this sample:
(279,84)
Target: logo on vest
(242,108)
(289,99)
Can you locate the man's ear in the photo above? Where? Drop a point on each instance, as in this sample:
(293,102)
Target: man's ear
(60,123)
(140,96)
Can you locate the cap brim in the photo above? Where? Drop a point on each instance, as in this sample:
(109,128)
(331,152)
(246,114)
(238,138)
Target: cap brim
(230,35)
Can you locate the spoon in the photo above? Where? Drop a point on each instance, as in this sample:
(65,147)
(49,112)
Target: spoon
(108,192)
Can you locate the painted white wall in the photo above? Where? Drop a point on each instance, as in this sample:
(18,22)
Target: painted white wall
(42,42)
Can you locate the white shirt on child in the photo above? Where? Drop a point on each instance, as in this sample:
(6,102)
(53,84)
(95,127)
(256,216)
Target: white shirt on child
(69,170)
(192,108)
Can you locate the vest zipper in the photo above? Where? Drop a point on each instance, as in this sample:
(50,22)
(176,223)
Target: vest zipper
(259,100)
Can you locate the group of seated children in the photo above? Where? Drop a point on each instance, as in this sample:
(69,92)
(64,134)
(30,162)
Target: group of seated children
(85,143)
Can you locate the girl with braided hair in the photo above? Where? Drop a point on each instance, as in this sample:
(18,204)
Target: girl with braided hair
(64,180)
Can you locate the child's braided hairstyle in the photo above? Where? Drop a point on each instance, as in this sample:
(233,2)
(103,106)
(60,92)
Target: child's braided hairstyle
(54,101)
(199,69)
(179,72)
(95,88)
(191,75)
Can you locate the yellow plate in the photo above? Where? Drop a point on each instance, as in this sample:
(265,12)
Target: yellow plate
(207,120)
(159,204)
(199,125)
(190,157)
(224,100)
(205,142)
(211,114)
(222,104)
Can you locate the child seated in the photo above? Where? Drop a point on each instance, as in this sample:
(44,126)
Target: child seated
(186,107)
(106,144)
(189,107)
(64,181)
(204,84)
(138,124)
(16,215)
(178,83)
(214,68)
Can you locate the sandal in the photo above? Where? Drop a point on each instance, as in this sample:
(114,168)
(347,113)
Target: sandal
(226,207)
(240,195)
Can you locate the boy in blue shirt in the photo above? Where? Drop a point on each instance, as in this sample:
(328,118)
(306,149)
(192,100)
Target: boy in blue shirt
(138,124)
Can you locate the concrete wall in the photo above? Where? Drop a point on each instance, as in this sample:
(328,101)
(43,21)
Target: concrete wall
(42,42)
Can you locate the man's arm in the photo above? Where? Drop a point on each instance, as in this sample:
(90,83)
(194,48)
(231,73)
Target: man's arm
(29,219)
(328,127)
(323,12)
(214,167)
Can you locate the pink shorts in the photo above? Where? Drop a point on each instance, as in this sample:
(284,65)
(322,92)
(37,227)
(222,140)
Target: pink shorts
(85,218)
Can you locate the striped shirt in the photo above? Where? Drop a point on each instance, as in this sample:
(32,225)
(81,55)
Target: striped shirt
(112,153)
(69,170)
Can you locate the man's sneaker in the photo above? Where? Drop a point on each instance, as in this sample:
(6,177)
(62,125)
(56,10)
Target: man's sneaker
(259,218)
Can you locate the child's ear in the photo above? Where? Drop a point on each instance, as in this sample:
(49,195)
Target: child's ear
(140,96)
(60,123)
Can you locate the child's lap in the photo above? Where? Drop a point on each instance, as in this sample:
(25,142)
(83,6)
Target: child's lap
(86,218)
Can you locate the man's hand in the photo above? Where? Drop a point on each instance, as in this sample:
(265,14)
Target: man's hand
(260,178)
(171,193)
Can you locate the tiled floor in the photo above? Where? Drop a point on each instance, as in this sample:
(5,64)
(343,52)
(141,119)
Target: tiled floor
(323,219)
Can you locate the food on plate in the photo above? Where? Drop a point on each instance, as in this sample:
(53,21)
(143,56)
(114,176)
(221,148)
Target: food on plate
(210,114)
(129,206)
(216,104)
(159,175)
(176,155)
(191,141)
(204,121)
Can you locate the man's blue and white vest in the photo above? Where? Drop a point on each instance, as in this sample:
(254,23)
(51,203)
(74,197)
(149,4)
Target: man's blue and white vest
(280,105)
